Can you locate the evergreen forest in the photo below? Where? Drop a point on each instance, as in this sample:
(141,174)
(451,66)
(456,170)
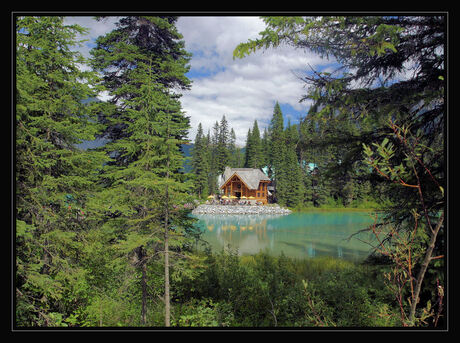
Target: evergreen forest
(104,237)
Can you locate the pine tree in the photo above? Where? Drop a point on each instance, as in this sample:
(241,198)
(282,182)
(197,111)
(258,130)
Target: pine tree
(248,149)
(254,148)
(233,151)
(309,161)
(277,150)
(54,179)
(142,60)
(213,152)
(223,153)
(265,147)
(153,41)
(293,191)
(200,163)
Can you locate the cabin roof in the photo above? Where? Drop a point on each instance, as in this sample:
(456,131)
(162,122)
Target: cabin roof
(251,177)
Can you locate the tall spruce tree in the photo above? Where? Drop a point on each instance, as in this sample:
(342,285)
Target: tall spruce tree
(293,190)
(265,147)
(235,154)
(248,149)
(213,152)
(277,150)
(200,163)
(54,178)
(223,153)
(151,40)
(142,59)
(254,148)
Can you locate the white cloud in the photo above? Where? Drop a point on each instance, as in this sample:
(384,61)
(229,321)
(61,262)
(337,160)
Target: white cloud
(212,39)
(95,29)
(244,90)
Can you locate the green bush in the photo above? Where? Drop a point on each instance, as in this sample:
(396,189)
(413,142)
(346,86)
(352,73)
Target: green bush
(265,291)
(356,297)
(199,313)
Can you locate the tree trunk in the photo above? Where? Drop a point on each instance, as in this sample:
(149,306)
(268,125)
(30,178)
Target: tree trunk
(167,304)
(144,294)
(423,269)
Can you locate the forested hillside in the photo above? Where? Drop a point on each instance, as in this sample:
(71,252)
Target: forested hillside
(308,169)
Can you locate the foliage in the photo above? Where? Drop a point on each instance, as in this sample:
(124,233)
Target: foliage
(262,290)
(367,102)
(222,148)
(52,118)
(253,151)
(409,248)
(142,60)
(94,229)
(200,163)
(211,154)
(293,186)
(352,104)
(91,223)
(202,313)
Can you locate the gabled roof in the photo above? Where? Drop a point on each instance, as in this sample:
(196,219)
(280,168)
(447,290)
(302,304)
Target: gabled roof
(251,177)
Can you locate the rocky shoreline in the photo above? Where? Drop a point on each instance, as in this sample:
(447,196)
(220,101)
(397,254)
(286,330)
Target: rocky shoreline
(240,209)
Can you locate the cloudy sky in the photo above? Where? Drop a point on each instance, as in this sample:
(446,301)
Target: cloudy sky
(243,90)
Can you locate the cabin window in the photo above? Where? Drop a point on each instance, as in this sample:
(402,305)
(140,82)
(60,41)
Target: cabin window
(258,195)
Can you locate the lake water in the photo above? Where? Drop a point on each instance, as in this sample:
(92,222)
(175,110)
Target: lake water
(299,235)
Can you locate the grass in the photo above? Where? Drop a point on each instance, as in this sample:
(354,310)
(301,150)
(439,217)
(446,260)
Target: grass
(337,206)
(332,209)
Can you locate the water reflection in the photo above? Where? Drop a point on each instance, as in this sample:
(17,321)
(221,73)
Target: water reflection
(300,235)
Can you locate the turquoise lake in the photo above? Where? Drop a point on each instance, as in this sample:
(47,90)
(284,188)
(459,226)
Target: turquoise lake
(298,235)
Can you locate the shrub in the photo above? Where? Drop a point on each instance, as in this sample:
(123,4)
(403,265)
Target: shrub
(202,313)
(266,291)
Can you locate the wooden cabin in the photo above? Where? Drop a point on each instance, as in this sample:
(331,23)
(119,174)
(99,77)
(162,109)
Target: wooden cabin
(245,182)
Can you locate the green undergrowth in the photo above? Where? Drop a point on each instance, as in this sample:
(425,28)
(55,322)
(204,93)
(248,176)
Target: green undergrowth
(267,291)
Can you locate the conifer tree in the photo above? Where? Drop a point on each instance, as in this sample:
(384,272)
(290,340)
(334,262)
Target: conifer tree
(248,149)
(254,148)
(265,147)
(277,149)
(142,60)
(293,187)
(200,163)
(309,161)
(368,91)
(213,152)
(233,150)
(54,179)
(223,154)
